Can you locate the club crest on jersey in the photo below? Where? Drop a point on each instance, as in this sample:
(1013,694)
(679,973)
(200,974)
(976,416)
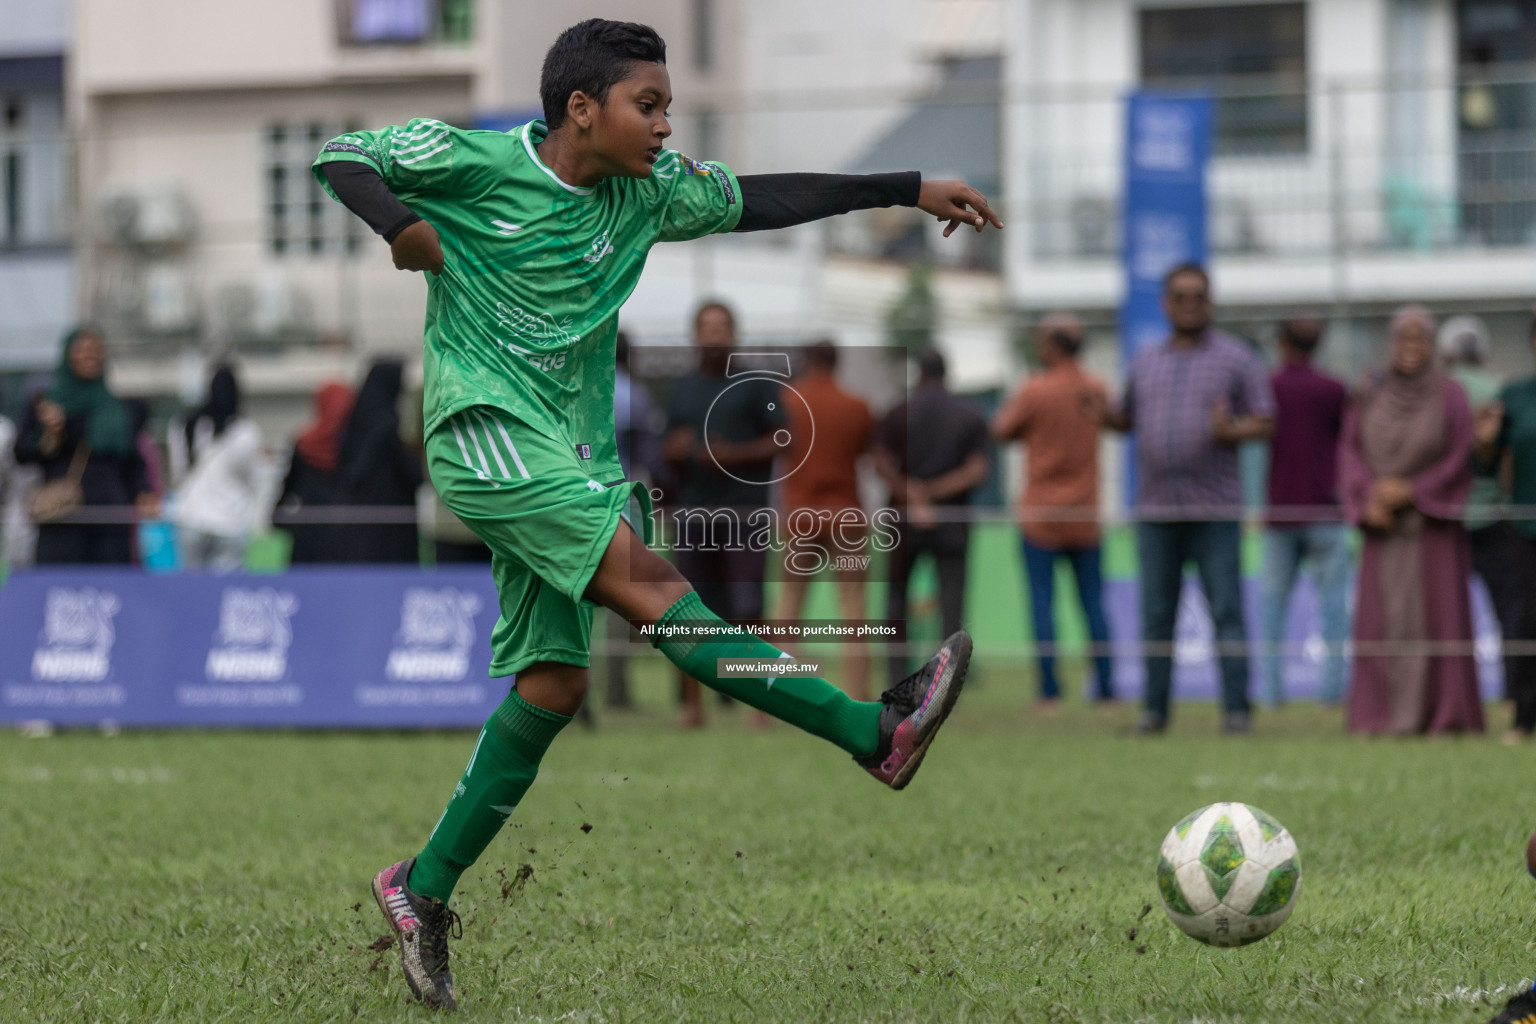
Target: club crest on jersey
(600,248)
(584,451)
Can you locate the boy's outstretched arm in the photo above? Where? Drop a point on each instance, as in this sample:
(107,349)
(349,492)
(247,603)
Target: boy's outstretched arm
(784,200)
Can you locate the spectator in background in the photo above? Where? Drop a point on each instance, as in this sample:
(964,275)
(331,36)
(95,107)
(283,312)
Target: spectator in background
(81,431)
(378,470)
(1058,513)
(828,433)
(727,472)
(634,422)
(634,415)
(932,452)
(216,464)
(1309,414)
(1405,470)
(1499,556)
(310,483)
(1506,434)
(1192,401)
(149,450)
(19,529)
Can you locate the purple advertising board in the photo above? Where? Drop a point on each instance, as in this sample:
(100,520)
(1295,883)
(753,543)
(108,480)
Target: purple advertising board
(400,648)
(335,647)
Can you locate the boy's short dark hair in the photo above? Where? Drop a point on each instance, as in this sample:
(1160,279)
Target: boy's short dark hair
(1185,268)
(592,57)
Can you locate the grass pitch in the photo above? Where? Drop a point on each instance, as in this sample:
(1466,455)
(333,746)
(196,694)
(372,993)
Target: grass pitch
(737,875)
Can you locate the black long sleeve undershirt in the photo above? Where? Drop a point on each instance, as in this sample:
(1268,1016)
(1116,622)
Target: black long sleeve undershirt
(784,200)
(361,189)
(767,200)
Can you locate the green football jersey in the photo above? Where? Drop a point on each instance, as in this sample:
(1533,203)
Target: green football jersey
(524,314)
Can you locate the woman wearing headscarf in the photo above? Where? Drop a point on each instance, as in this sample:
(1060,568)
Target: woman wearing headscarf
(1405,472)
(377,468)
(311,479)
(79,430)
(218,471)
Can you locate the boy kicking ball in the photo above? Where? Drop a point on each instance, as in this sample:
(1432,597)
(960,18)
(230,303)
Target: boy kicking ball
(532,239)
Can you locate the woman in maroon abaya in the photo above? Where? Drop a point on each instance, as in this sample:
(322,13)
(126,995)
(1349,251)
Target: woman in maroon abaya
(1404,475)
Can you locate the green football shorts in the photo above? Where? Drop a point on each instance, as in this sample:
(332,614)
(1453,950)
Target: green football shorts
(547,523)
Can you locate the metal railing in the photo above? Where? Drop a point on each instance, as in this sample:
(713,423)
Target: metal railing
(1365,167)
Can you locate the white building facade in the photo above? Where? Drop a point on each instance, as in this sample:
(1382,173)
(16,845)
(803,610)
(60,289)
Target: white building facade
(1367,153)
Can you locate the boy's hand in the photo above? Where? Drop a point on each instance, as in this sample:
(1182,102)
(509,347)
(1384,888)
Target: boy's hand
(947,200)
(418,248)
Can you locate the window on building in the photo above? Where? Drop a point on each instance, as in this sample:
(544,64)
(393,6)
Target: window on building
(301,219)
(396,22)
(1496,104)
(36,195)
(1253,57)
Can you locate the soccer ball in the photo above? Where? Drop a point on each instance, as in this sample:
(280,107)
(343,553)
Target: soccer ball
(1229,874)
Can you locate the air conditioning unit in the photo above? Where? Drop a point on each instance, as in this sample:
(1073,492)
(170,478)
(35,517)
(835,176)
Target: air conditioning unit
(168,302)
(146,299)
(153,217)
(267,309)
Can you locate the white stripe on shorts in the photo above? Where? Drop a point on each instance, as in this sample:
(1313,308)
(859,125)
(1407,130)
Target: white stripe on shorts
(490,442)
(462,450)
(485,468)
(513,449)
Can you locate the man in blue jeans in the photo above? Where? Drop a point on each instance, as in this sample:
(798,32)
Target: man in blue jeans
(1058,511)
(1192,401)
(1304,520)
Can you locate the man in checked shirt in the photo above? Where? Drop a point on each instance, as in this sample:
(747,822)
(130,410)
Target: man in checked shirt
(1191,401)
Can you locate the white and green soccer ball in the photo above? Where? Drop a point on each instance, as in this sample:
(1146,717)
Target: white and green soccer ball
(1229,874)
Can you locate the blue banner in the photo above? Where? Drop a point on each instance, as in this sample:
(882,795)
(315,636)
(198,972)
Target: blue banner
(1167,148)
(326,648)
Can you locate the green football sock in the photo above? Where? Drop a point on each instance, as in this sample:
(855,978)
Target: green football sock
(814,705)
(501,769)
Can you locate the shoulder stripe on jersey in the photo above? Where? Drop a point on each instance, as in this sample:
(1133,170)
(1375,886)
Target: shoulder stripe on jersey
(423,156)
(423,126)
(513,449)
(533,155)
(421,143)
(490,442)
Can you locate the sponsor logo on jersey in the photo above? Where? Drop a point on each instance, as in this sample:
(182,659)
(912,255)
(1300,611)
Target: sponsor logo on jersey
(251,644)
(437,632)
(600,248)
(506,227)
(692,166)
(539,330)
(346,147)
(584,451)
(76,645)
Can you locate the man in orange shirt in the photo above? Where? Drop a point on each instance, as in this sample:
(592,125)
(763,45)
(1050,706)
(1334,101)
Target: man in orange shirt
(1059,511)
(822,512)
